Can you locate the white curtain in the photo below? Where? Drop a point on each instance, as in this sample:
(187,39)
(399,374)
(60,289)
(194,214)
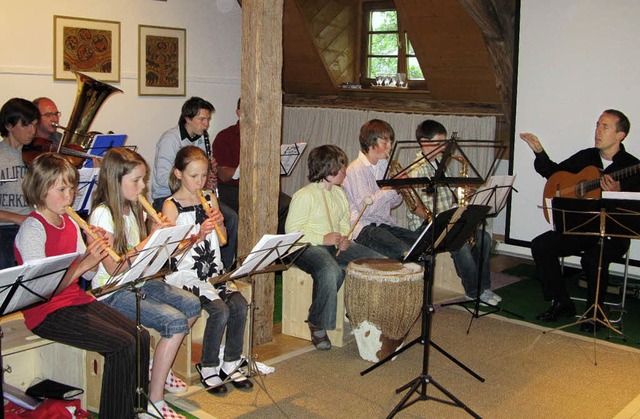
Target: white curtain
(341,127)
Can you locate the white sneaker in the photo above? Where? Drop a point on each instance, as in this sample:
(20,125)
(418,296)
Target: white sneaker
(485,297)
(492,295)
(483,301)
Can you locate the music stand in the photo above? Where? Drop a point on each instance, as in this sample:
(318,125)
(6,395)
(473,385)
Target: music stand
(143,265)
(272,253)
(35,282)
(451,230)
(495,196)
(601,218)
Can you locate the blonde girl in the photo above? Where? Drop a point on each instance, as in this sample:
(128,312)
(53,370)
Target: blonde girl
(227,308)
(73,317)
(165,308)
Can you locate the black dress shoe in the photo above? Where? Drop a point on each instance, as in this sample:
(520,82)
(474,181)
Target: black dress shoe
(556,310)
(218,390)
(238,378)
(590,326)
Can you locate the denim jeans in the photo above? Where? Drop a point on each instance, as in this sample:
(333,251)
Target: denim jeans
(7,237)
(228,251)
(467,263)
(164,307)
(391,241)
(231,314)
(328,271)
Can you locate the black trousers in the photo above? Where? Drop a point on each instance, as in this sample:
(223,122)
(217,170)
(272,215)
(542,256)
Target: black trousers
(230,194)
(97,327)
(548,247)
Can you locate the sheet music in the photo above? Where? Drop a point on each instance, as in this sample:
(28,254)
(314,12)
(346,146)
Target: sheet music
(634,196)
(289,156)
(499,187)
(154,255)
(103,143)
(87,181)
(48,271)
(259,257)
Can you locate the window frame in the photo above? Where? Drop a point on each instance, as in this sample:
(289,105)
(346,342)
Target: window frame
(402,57)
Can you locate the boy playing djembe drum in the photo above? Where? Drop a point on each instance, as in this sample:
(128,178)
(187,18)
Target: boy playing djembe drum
(320,210)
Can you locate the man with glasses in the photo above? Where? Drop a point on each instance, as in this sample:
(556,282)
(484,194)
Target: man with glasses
(191,130)
(49,115)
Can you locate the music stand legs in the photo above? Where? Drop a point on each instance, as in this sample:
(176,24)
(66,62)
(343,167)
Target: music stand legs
(476,302)
(419,384)
(591,314)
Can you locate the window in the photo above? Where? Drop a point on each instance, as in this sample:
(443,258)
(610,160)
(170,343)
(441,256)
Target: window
(386,45)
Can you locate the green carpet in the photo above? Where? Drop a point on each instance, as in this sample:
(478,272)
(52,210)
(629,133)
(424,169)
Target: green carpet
(525,298)
(173,406)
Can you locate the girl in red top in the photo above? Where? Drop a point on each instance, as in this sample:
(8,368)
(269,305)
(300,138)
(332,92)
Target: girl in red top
(72,316)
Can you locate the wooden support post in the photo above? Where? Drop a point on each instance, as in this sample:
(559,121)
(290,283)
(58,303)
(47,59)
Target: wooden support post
(261,122)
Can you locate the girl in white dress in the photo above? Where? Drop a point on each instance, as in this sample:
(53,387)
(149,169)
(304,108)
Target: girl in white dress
(227,308)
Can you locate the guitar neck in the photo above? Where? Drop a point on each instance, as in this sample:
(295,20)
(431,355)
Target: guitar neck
(617,175)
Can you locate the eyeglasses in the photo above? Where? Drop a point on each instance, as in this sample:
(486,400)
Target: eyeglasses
(52,114)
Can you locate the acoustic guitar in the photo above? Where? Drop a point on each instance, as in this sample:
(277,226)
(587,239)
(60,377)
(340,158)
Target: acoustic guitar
(584,184)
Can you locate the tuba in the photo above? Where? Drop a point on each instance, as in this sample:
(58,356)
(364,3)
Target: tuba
(90,97)
(409,193)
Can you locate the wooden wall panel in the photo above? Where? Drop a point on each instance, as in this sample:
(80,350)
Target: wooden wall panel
(451,50)
(303,69)
(328,27)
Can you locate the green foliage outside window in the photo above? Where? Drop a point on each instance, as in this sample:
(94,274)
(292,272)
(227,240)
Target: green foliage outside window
(383,47)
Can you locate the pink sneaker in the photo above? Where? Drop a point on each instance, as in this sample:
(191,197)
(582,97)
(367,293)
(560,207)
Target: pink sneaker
(174,385)
(165,410)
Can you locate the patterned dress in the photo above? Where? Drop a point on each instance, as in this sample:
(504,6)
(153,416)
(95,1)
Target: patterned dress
(194,269)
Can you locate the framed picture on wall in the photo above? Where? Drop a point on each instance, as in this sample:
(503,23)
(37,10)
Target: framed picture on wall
(161,61)
(89,46)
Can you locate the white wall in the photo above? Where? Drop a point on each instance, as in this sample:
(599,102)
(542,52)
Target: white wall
(213,60)
(576,59)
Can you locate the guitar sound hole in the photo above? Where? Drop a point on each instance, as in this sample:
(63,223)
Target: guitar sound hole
(580,189)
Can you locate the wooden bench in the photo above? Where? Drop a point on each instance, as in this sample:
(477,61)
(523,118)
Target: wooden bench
(26,357)
(297,287)
(29,356)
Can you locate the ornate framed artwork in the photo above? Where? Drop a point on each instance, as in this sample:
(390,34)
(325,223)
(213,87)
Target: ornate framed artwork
(162,61)
(89,46)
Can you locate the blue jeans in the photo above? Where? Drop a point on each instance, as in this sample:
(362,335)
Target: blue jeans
(467,263)
(328,271)
(231,315)
(164,308)
(391,241)
(7,237)
(228,251)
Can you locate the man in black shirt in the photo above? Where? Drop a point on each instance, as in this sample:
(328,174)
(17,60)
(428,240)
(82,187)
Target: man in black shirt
(608,155)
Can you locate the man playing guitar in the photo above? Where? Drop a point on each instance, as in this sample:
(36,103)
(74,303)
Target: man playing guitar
(609,156)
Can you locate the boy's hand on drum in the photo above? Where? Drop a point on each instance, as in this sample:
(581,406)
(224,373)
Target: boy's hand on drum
(332,239)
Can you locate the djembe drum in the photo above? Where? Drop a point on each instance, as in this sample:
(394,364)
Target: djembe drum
(383,298)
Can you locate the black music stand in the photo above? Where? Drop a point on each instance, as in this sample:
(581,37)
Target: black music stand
(35,282)
(448,232)
(496,197)
(272,253)
(602,218)
(146,264)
